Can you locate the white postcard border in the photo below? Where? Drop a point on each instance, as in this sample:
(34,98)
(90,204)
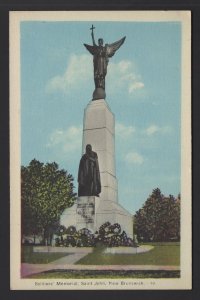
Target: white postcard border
(185,281)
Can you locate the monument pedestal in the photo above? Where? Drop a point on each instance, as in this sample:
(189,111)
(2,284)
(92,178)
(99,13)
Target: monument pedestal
(85,213)
(92,212)
(81,214)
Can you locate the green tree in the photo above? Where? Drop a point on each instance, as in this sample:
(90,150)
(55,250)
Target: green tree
(159,218)
(46,192)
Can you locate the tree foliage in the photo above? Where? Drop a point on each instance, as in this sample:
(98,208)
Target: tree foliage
(159,218)
(46,192)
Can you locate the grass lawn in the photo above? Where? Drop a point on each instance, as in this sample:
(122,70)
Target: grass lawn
(84,274)
(162,254)
(28,256)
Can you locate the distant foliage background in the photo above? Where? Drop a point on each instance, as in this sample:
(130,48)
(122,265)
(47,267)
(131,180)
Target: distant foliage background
(159,218)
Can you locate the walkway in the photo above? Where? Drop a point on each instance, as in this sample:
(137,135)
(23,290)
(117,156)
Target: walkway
(61,263)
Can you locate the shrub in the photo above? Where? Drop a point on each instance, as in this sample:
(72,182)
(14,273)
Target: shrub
(108,235)
(69,241)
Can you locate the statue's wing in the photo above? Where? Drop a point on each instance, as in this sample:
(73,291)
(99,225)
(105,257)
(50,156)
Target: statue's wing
(90,48)
(111,48)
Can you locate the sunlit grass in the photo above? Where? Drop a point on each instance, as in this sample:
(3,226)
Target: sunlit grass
(28,256)
(161,254)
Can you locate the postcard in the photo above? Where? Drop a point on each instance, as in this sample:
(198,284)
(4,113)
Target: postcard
(100,150)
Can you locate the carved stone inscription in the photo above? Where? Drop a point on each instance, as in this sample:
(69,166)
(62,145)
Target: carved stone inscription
(85,212)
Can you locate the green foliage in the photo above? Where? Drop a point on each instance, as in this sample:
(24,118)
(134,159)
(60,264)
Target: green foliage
(45,192)
(60,230)
(108,235)
(71,230)
(159,218)
(81,238)
(111,236)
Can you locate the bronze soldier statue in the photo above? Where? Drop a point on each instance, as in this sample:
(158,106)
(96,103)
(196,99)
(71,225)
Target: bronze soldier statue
(88,174)
(101,56)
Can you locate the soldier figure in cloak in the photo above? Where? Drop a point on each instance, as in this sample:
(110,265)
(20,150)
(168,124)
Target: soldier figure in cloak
(101,56)
(88,174)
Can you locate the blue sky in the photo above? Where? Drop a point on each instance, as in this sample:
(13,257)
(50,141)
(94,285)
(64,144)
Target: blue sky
(143,88)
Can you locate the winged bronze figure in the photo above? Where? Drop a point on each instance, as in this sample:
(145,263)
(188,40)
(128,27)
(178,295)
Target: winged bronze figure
(101,56)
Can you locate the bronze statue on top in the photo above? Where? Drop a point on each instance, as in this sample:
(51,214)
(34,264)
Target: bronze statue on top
(101,56)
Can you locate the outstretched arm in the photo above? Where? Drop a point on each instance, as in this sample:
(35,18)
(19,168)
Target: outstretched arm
(93,40)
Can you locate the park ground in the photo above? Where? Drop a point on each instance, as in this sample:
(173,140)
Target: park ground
(163,261)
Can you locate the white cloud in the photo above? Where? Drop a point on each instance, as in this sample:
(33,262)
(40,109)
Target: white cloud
(134,158)
(152,129)
(67,140)
(122,74)
(77,72)
(124,131)
(135,85)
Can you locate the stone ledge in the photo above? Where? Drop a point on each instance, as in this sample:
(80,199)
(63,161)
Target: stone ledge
(50,249)
(128,250)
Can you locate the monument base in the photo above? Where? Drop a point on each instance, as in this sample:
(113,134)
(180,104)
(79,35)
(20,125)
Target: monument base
(85,213)
(113,212)
(81,214)
(91,212)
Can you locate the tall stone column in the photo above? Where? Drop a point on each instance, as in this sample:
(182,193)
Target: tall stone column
(99,131)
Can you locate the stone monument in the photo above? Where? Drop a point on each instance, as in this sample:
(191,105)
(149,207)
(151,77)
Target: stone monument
(97,200)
